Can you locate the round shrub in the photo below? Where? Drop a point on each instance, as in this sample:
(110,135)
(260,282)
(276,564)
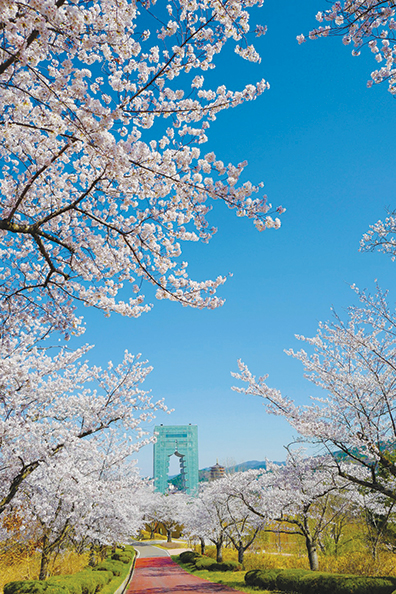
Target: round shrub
(188,556)
(115,566)
(250,577)
(265,579)
(101,578)
(204,562)
(57,590)
(295,580)
(124,557)
(225,566)
(68,584)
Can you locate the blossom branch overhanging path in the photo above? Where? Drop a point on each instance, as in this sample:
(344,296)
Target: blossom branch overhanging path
(90,200)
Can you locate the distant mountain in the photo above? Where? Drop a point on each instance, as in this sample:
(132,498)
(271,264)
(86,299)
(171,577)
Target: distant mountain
(204,473)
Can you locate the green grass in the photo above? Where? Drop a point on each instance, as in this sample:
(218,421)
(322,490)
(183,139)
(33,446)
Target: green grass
(232,579)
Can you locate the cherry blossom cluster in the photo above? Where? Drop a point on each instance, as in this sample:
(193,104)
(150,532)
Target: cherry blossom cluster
(368,22)
(103,174)
(381,237)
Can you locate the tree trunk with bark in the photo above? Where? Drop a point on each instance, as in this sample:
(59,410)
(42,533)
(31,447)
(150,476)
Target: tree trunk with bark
(312,554)
(219,552)
(45,559)
(203,546)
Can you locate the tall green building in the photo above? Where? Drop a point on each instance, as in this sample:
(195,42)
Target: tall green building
(181,441)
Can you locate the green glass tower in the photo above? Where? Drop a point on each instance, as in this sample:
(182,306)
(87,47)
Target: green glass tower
(181,441)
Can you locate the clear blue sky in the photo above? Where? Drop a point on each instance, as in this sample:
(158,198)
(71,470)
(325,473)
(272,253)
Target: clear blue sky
(324,145)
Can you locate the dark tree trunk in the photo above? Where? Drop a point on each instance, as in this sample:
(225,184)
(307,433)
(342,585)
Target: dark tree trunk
(45,559)
(241,551)
(312,554)
(168,535)
(219,552)
(153,527)
(92,556)
(203,546)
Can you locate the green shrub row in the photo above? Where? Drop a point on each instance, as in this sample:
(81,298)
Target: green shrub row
(312,582)
(202,562)
(104,578)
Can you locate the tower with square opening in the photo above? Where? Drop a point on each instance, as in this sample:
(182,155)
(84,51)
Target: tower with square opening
(181,441)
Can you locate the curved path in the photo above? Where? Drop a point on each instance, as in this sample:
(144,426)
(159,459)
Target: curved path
(158,574)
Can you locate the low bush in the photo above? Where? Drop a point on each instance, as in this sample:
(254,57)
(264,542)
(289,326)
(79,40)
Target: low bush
(105,577)
(24,587)
(265,580)
(188,556)
(116,567)
(204,562)
(85,582)
(309,582)
(225,566)
(124,557)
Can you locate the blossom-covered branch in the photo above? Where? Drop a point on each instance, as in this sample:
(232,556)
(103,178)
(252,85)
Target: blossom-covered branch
(360,23)
(103,174)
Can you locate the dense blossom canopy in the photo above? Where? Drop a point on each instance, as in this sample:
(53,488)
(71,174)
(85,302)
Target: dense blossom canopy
(103,174)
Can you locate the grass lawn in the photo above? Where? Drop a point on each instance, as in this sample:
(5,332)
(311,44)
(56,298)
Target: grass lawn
(232,579)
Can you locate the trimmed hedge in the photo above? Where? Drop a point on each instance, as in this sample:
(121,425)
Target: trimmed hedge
(116,567)
(104,578)
(84,582)
(25,587)
(312,582)
(203,562)
(124,557)
(225,566)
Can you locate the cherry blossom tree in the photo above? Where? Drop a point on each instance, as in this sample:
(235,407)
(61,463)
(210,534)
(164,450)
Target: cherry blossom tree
(295,498)
(243,524)
(206,517)
(103,174)
(218,515)
(51,399)
(353,361)
(168,510)
(86,493)
(363,23)
(150,506)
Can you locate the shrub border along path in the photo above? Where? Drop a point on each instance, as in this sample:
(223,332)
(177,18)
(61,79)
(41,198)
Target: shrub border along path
(162,574)
(234,579)
(107,577)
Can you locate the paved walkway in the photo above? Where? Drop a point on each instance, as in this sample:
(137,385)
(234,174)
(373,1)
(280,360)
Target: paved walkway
(160,575)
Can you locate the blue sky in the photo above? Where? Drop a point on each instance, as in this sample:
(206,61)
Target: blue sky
(324,146)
